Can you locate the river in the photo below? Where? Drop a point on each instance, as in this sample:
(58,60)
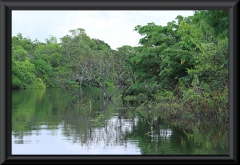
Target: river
(49,121)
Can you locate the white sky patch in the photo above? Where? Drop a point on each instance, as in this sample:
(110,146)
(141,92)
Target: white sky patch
(116,28)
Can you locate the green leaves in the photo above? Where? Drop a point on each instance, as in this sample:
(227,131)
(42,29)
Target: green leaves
(23,75)
(42,69)
(186,47)
(163,55)
(19,54)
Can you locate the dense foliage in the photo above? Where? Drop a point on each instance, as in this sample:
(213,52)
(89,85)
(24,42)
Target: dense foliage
(187,59)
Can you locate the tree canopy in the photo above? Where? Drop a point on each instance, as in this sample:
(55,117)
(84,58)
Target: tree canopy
(188,53)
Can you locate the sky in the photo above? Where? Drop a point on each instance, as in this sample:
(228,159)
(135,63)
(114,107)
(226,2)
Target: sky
(116,28)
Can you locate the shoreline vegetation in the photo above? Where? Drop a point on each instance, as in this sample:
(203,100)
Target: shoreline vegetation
(180,69)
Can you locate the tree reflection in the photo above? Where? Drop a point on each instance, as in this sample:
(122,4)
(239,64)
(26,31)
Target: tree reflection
(91,122)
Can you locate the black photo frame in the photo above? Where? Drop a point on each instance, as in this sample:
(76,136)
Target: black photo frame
(6,6)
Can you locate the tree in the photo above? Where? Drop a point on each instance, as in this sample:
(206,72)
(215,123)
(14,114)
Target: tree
(163,58)
(123,74)
(211,42)
(23,75)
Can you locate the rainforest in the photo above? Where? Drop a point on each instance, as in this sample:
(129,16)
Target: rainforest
(170,94)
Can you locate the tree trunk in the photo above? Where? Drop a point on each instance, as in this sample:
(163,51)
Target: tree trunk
(105,93)
(80,90)
(124,91)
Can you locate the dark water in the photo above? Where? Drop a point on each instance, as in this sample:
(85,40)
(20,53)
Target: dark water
(48,121)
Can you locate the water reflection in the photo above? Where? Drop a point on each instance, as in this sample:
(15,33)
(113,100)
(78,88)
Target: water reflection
(51,122)
(57,141)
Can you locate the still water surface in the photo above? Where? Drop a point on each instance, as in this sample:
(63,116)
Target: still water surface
(48,121)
